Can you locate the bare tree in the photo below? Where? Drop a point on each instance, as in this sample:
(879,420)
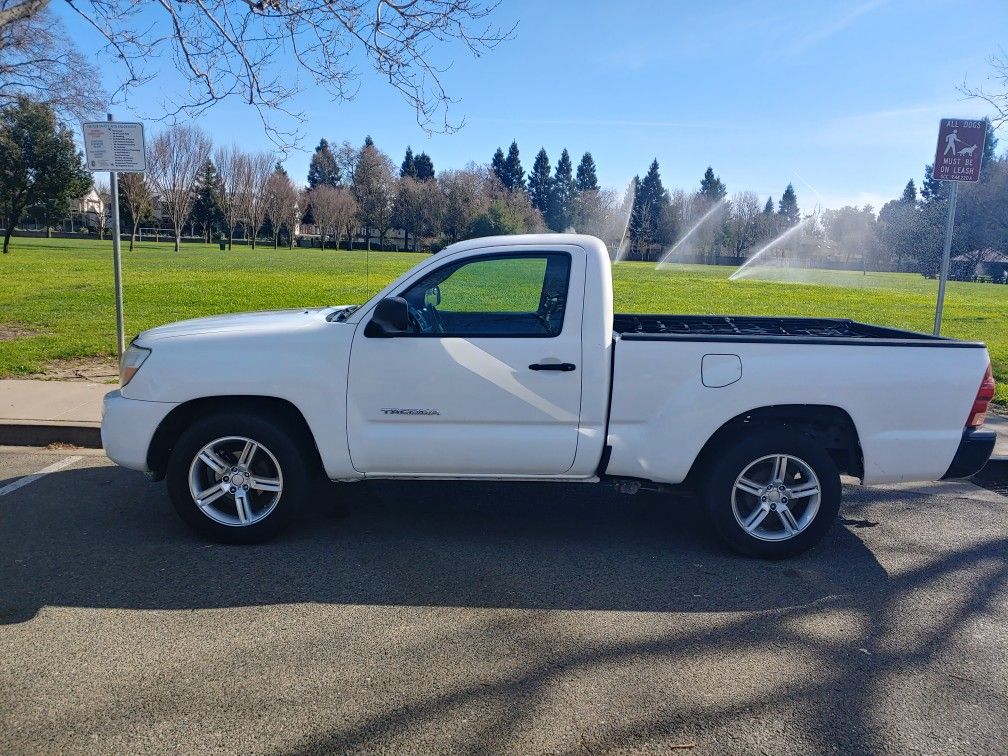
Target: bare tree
(177,157)
(104,210)
(333,209)
(743,222)
(463,197)
(38,59)
(281,205)
(995,95)
(231,164)
(241,49)
(259,168)
(135,196)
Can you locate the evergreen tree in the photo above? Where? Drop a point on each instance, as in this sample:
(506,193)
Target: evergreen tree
(649,210)
(424,167)
(499,167)
(788,206)
(711,187)
(323,169)
(514,171)
(562,195)
(989,153)
(207,212)
(39,163)
(539,183)
(910,193)
(408,167)
(768,207)
(932,189)
(587,180)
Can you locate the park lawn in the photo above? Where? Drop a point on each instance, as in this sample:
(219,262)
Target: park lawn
(60,291)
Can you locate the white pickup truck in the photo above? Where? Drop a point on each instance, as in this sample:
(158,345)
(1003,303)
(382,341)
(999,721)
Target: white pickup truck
(501,359)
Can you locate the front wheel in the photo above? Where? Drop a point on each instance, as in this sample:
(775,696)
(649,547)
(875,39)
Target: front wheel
(237,478)
(773,494)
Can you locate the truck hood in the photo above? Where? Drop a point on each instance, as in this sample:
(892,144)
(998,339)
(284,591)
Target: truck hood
(272,321)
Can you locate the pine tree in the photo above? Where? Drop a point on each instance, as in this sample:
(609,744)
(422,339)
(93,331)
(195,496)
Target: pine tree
(424,167)
(910,193)
(408,167)
(539,183)
(207,212)
(499,167)
(323,169)
(932,189)
(587,180)
(989,153)
(649,208)
(514,171)
(562,193)
(788,207)
(768,207)
(711,187)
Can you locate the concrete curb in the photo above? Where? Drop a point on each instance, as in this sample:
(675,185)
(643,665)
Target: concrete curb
(38,433)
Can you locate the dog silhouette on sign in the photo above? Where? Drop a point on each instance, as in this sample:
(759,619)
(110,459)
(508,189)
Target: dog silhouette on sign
(968,150)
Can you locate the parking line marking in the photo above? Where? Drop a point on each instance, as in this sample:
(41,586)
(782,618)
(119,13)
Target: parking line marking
(54,467)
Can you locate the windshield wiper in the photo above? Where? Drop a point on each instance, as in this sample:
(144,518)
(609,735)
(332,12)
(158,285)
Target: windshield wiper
(339,317)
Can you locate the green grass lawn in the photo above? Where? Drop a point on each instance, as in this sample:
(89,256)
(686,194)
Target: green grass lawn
(61,292)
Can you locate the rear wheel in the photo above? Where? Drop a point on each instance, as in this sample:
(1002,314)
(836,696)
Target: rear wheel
(773,494)
(237,479)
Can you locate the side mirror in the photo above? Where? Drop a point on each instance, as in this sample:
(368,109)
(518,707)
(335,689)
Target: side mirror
(390,318)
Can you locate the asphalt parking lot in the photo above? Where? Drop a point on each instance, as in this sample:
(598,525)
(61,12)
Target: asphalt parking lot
(458,618)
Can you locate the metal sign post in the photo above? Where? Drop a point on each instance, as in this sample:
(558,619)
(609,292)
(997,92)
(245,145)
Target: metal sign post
(116,147)
(958,158)
(946,254)
(117,261)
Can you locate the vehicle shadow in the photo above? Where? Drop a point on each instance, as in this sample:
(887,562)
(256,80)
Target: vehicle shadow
(105,537)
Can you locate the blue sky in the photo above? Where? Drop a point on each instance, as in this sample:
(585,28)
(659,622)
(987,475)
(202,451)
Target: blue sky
(841,98)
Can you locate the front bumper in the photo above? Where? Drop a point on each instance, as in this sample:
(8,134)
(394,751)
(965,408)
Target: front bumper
(128,426)
(974,450)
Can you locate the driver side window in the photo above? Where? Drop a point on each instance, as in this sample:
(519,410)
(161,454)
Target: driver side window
(503,295)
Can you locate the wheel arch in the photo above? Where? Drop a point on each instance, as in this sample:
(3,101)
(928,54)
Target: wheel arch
(830,425)
(182,416)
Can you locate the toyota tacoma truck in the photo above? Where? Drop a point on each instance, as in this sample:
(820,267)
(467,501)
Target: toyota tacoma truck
(501,359)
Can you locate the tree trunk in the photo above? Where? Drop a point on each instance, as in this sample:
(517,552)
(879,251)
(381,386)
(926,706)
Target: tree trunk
(322,240)
(230,237)
(133,235)
(276,239)
(7,235)
(178,239)
(48,232)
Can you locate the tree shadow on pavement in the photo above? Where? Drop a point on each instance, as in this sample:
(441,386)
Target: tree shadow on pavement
(829,647)
(104,537)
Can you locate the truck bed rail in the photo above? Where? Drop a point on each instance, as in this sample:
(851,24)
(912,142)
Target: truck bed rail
(748,327)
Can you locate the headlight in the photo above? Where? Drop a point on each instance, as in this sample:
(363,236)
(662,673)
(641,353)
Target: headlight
(132,359)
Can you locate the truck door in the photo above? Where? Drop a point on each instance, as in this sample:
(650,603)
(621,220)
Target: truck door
(488,379)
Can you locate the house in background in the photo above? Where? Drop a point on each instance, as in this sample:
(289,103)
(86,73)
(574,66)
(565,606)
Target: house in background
(984,264)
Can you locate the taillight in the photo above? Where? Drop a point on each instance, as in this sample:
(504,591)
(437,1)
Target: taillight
(983,399)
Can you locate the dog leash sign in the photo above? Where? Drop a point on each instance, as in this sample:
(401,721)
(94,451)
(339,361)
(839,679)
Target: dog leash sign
(960,149)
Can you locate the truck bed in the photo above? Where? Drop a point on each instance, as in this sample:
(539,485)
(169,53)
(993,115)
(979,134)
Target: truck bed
(755,328)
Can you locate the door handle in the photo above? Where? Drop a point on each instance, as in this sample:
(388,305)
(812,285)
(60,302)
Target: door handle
(563,367)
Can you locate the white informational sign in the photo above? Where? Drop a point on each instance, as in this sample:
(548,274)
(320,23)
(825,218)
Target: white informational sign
(115,146)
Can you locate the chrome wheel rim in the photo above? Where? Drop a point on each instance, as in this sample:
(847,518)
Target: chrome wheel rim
(235,481)
(776,497)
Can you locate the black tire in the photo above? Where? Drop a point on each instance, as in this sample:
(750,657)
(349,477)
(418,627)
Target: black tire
(272,432)
(735,457)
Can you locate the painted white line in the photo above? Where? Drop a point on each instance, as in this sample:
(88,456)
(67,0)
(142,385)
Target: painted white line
(54,467)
